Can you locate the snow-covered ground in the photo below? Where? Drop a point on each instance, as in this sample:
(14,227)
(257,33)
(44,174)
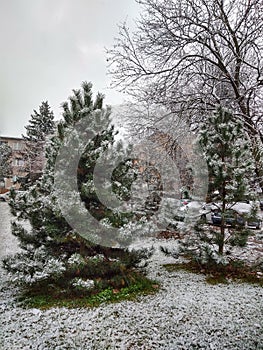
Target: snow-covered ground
(186,314)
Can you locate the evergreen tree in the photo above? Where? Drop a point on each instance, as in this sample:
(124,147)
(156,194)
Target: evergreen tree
(54,256)
(226,149)
(227,153)
(40,127)
(5,160)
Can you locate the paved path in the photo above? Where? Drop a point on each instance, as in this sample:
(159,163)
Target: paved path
(8,243)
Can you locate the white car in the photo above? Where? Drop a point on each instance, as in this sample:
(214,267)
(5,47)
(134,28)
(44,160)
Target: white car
(193,210)
(4,197)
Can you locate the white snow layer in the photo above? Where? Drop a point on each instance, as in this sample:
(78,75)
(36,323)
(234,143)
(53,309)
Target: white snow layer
(186,313)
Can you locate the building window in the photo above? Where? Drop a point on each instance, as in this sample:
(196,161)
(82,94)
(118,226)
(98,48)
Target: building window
(3,143)
(18,162)
(17,146)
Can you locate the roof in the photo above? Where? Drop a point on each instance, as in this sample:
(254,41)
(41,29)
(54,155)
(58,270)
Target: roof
(11,138)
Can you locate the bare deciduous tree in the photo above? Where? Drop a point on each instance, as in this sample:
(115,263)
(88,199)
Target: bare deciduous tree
(193,55)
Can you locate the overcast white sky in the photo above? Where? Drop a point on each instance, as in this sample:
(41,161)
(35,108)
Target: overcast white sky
(47,48)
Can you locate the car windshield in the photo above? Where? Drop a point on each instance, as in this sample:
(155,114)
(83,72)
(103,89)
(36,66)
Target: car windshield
(228,213)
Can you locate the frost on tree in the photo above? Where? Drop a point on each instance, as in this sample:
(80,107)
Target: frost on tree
(192,55)
(53,254)
(5,160)
(40,127)
(226,148)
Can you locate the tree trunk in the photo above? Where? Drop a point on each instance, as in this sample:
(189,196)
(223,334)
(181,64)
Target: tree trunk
(222,227)
(222,237)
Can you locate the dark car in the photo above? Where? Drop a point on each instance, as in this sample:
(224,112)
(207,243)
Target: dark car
(261,204)
(255,222)
(232,218)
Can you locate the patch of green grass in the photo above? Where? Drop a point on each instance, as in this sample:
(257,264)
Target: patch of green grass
(216,279)
(141,286)
(216,274)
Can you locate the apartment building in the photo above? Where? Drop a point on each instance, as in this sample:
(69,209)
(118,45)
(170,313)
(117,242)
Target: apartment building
(17,163)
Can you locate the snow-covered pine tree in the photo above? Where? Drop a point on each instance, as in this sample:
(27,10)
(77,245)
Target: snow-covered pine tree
(226,149)
(54,257)
(227,152)
(39,128)
(5,160)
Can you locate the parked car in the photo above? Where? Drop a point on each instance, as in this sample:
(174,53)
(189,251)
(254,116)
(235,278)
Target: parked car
(4,197)
(261,204)
(192,210)
(232,218)
(254,223)
(185,201)
(237,214)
